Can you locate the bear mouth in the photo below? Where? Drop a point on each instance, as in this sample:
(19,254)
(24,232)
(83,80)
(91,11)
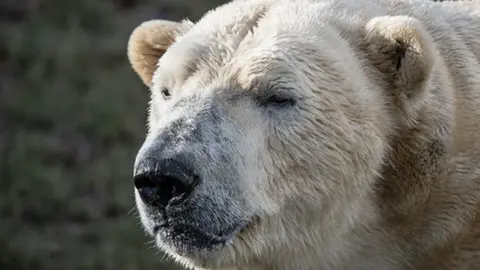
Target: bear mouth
(188,239)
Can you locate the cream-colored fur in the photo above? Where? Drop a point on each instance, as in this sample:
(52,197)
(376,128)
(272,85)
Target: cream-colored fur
(378,164)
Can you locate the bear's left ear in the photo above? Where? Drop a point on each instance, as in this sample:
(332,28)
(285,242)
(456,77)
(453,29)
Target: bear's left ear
(403,51)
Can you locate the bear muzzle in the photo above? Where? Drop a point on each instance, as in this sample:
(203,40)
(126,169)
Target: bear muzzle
(186,188)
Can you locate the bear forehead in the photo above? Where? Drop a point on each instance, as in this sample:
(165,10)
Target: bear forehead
(263,41)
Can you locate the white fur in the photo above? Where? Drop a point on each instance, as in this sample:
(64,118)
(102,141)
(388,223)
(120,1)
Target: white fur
(377,167)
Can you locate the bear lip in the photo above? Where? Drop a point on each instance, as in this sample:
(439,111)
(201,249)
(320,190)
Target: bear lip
(186,238)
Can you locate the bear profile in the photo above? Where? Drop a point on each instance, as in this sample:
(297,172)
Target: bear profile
(300,134)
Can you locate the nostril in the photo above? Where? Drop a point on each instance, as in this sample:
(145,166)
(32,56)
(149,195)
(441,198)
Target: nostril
(143,181)
(160,190)
(170,188)
(146,188)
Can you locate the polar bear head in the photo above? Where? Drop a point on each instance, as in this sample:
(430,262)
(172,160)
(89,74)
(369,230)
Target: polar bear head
(268,126)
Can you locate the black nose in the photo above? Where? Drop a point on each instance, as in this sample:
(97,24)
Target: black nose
(163,182)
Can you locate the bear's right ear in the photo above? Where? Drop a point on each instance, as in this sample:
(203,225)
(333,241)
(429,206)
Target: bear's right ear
(148,42)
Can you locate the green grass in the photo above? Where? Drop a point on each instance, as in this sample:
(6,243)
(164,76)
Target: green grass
(72,116)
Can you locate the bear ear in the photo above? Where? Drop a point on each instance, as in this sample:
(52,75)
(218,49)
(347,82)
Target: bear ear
(148,42)
(402,50)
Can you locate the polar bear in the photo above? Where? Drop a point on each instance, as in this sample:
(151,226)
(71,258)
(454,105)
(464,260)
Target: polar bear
(303,134)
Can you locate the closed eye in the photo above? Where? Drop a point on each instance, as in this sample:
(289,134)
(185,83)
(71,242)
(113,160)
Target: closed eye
(279,100)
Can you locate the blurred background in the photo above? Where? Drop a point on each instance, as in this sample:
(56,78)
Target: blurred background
(72,117)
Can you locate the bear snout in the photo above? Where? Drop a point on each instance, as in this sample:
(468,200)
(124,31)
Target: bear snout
(164,182)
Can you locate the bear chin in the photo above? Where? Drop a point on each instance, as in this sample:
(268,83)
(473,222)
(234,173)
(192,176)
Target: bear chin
(176,233)
(194,248)
(186,239)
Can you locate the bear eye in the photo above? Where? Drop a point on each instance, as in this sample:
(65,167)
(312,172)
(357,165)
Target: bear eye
(279,100)
(165,93)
